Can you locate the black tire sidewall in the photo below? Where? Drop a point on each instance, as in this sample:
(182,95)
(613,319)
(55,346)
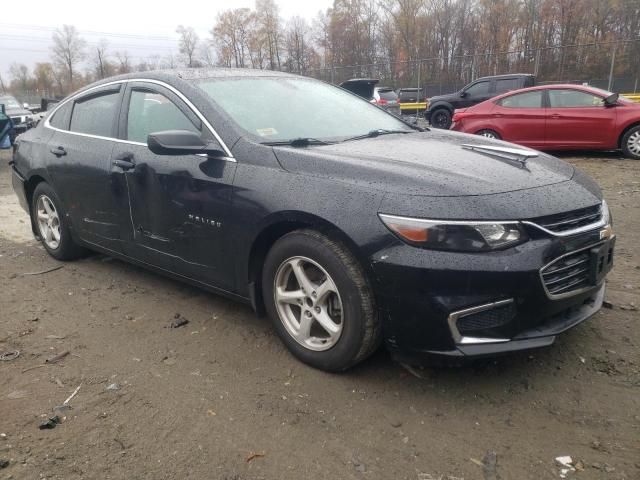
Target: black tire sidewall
(625,142)
(441,111)
(67,249)
(345,352)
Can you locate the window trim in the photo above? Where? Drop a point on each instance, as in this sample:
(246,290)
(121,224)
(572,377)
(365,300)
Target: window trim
(478,82)
(574,90)
(229,156)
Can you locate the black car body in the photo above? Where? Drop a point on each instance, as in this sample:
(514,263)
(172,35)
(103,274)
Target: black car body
(441,107)
(461,246)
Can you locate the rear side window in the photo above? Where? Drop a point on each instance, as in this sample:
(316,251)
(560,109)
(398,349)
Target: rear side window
(523,100)
(573,99)
(61,117)
(151,112)
(95,115)
(480,88)
(504,85)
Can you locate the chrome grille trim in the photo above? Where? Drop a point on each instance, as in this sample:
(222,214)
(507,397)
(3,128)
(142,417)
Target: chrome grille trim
(601,219)
(562,293)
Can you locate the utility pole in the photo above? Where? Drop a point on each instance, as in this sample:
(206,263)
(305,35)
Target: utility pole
(613,63)
(4,89)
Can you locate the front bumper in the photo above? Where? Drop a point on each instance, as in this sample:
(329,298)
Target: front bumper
(500,297)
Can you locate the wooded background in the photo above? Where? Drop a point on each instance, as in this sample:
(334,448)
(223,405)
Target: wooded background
(439,44)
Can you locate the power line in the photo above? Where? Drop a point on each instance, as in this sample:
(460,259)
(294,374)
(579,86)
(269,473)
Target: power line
(90,32)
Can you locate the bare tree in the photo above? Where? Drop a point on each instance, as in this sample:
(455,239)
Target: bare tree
(124,61)
(268,23)
(44,78)
(20,75)
(100,59)
(188,44)
(68,50)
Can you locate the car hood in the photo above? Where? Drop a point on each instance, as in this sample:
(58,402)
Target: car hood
(17,112)
(447,97)
(432,163)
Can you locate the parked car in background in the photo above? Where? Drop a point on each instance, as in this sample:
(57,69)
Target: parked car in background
(349,226)
(557,117)
(21,117)
(412,100)
(440,110)
(6,127)
(367,88)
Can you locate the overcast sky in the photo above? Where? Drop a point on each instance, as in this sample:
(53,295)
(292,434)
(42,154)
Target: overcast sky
(143,28)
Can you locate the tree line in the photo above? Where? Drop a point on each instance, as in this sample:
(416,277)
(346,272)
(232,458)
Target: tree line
(451,40)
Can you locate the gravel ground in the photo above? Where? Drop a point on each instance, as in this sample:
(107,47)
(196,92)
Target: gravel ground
(220,398)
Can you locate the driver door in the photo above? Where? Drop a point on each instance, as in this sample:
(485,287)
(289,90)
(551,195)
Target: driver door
(179,204)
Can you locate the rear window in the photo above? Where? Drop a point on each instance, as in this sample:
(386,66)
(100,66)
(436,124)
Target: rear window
(95,115)
(387,94)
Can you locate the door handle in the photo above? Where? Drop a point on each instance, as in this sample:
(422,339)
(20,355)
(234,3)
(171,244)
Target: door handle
(556,116)
(124,161)
(58,151)
(498,115)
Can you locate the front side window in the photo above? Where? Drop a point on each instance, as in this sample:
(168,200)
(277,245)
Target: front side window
(523,100)
(480,88)
(573,98)
(285,108)
(151,112)
(95,115)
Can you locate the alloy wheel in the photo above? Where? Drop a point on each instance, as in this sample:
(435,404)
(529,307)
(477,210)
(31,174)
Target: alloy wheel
(308,303)
(440,120)
(48,222)
(633,143)
(488,134)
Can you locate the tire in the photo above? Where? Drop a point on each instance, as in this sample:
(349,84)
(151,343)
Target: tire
(349,308)
(49,219)
(631,143)
(441,118)
(488,134)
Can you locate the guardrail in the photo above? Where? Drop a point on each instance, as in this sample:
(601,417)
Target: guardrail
(634,97)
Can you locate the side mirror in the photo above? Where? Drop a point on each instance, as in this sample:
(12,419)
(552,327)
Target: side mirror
(611,100)
(181,142)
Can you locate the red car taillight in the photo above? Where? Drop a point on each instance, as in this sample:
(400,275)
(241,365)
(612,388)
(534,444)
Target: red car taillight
(382,101)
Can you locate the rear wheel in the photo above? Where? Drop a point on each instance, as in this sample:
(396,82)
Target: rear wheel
(320,302)
(488,133)
(441,118)
(49,218)
(631,143)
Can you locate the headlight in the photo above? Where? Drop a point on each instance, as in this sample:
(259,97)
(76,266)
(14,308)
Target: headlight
(462,236)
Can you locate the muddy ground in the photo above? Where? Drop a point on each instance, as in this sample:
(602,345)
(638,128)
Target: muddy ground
(220,398)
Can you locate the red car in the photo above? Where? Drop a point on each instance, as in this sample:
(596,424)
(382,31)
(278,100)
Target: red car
(557,117)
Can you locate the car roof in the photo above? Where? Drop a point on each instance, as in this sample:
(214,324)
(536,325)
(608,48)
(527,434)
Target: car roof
(360,80)
(508,75)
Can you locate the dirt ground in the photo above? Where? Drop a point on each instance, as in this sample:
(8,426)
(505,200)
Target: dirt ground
(220,398)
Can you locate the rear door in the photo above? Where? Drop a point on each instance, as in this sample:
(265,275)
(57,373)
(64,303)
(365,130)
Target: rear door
(578,119)
(520,118)
(80,164)
(180,205)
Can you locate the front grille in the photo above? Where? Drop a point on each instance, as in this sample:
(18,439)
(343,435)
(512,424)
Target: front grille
(568,273)
(488,319)
(563,222)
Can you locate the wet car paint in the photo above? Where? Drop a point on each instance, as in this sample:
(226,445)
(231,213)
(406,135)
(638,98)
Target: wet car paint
(210,221)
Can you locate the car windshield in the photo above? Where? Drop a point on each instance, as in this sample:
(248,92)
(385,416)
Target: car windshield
(9,102)
(274,109)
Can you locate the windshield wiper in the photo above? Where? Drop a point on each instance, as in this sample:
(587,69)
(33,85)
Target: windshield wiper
(376,133)
(298,142)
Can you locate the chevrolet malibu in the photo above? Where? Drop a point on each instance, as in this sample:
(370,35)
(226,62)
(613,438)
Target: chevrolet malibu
(347,226)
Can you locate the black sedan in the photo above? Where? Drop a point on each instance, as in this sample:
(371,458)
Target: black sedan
(346,225)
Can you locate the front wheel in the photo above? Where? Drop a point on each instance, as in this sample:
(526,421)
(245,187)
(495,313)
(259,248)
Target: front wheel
(631,143)
(320,301)
(441,118)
